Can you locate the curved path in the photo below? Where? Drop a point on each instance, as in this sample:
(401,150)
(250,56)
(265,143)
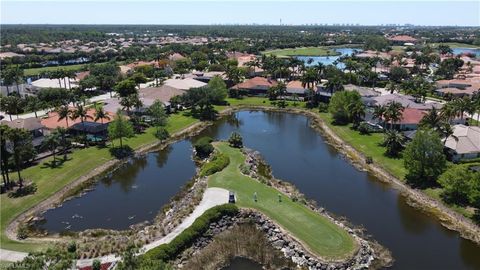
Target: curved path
(211,197)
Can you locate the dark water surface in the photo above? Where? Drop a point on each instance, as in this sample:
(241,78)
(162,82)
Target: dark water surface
(297,154)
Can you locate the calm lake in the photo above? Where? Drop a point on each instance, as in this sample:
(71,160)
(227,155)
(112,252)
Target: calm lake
(297,154)
(329,60)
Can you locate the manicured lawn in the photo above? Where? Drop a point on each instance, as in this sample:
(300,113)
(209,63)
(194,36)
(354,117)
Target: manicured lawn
(369,145)
(4,264)
(36,71)
(305,51)
(457,45)
(51,180)
(319,234)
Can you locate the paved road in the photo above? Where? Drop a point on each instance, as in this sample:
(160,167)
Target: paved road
(212,197)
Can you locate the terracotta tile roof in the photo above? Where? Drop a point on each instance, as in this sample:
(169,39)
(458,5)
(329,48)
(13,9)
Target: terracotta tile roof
(81,75)
(52,122)
(412,116)
(256,82)
(402,38)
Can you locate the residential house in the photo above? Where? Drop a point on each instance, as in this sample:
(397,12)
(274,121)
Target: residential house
(93,128)
(296,88)
(32,124)
(402,40)
(464,143)
(254,86)
(457,87)
(184,83)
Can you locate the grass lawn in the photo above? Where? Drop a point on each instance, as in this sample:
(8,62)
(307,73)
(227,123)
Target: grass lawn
(51,180)
(304,51)
(4,264)
(319,234)
(369,145)
(36,71)
(457,45)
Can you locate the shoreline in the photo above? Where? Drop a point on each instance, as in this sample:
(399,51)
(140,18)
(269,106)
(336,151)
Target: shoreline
(415,198)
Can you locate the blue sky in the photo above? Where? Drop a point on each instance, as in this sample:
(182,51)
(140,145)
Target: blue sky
(236,12)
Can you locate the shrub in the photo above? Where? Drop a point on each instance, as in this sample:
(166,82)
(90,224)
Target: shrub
(22,232)
(72,247)
(235,140)
(162,134)
(169,251)
(323,107)
(364,128)
(24,191)
(218,163)
(120,152)
(203,147)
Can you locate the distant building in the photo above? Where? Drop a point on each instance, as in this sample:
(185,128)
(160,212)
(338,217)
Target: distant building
(402,39)
(464,143)
(457,87)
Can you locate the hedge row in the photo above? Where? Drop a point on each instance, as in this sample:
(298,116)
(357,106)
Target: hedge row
(184,240)
(218,163)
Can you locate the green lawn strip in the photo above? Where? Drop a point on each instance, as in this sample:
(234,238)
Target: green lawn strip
(456,45)
(368,145)
(304,51)
(4,264)
(36,71)
(319,234)
(51,180)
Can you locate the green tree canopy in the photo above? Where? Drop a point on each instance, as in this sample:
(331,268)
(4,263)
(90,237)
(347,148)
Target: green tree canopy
(424,158)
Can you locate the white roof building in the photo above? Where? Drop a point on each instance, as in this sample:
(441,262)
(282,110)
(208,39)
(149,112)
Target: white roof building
(184,84)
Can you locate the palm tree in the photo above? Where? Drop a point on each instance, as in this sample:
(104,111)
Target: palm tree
(446,130)
(394,112)
(357,113)
(432,120)
(64,112)
(4,156)
(448,112)
(64,141)
(462,106)
(379,113)
(82,113)
(393,141)
(100,114)
(51,143)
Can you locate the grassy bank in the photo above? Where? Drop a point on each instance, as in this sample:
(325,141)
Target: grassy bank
(319,234)
(304,51)
(51,180)
(369,145)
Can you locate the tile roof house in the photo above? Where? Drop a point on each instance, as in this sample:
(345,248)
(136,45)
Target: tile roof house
(296,87)
(52,121)
(400,39)
(410,119)
(405,100)
(457,87)
(163,93)
(255,86)
(31,124)
(464,143)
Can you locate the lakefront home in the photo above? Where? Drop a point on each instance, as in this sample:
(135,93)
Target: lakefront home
(464,143)
(254,86)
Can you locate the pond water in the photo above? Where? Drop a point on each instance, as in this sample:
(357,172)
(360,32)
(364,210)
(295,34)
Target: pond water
(132,194)
(466,50)
(297,154)
(329,60)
